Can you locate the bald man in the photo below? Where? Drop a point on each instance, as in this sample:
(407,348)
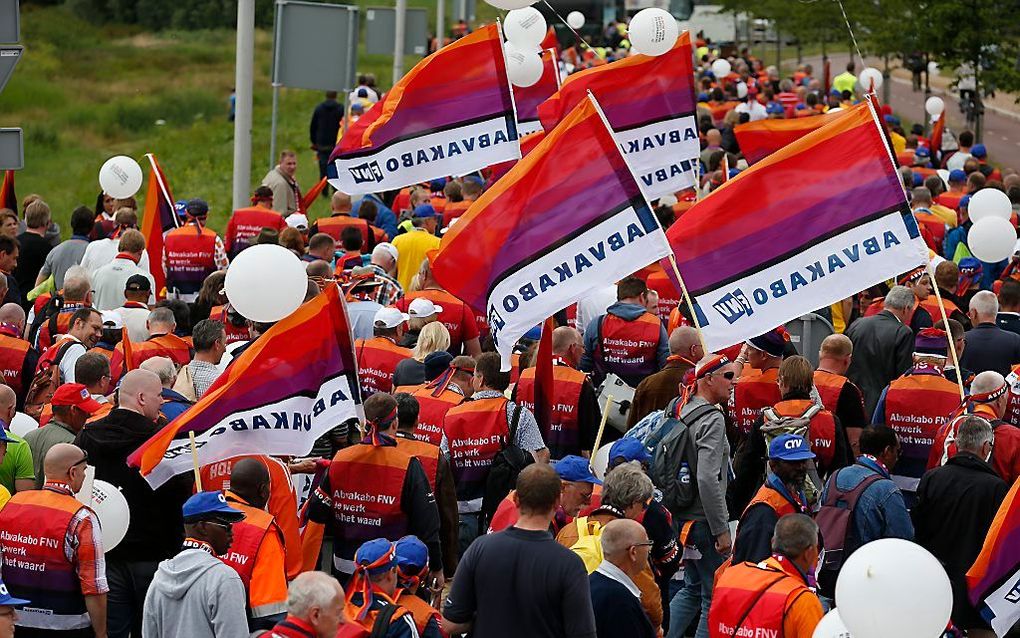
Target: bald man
(18,359)
(17,472)
(38,521)
(655,391)
(839,394)
(158,533)
(615,599)
(575,408)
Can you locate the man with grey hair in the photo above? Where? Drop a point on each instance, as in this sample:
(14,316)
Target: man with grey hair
(738,600)
(384,263)
(615,598)
(210,340)
(883,344)
(162,341)
(102,251)
(955,507)
(315,608)
(989,347)
(174,403)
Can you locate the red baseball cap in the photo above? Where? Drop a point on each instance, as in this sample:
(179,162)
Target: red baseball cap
(77,395)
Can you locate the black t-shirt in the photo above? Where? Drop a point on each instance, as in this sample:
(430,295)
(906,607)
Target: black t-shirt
(521,583)
(31,256)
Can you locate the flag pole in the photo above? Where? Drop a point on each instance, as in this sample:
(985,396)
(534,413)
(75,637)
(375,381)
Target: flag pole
(949,332)
(602,426)
(194,461)
(687,299)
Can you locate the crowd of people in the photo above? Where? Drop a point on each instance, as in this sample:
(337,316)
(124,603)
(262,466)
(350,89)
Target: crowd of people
(452,508)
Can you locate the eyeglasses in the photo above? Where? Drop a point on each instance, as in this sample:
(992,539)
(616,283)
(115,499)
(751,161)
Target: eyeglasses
(647,543)
(84,458)
(223,524)
(729,375)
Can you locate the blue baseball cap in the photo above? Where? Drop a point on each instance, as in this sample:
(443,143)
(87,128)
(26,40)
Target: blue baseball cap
(957,175)
(775,108)
(575,468)
(922,152)
(181,207)
(979,151)
(790,447)
(377,556)
(424,210)
(630,449)
(209,505)
(6,600)
(412,555)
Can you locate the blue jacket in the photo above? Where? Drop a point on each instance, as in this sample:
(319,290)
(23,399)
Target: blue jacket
(384,219)
(174,404)
(881,511)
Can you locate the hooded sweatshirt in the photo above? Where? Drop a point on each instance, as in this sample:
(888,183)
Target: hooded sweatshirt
(195,595)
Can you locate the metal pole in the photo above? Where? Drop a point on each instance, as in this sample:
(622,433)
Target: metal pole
(277,30)
(400,26)
(243,88)
(272,126)
(440,23)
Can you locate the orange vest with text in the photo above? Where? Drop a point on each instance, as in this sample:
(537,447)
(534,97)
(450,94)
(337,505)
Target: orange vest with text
(452,316)
(564,435)
(753,393)
(169,345)
(266,588)
(420,610)
(756,597)
(916,406)
(426,453)
(431,410)
(246,224)
(367,483)
(829,386)
(475,431)
(821,432)
(629,348)
(189,253)
(1012,415)
(669,298)
(377,359)
(336,224)
(12,361)
(61,322)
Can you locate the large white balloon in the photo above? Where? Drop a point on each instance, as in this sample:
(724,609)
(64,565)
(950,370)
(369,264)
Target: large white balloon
(934,105)
(991,239)
(892,587)
(831,626)
(111,509)
(525,27)
(721,68)
(510,5)
(653,31)
(523,66)
(575,19)
(989,202)
(265,283)
(869,75)
(120,177)
(22,424)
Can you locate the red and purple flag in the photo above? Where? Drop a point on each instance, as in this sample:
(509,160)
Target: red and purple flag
(527,99)
(812,223)
(296,382)
(758,140)
(993,581)
(157,218)
(452,114)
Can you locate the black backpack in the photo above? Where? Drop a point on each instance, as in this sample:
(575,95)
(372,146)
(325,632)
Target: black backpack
(506,466)
(834,521)
(675,459)
(48,312)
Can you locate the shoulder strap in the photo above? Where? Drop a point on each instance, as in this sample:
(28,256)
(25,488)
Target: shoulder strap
(381,626)
(61,351)
(754,602)
(513,423)
(696,415)
(850,497)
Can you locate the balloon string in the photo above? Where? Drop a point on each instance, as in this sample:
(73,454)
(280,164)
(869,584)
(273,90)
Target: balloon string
(852,36)
(577,36)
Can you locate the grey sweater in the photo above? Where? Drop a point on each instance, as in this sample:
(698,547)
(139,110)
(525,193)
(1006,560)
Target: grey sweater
(713,472)
(195,595)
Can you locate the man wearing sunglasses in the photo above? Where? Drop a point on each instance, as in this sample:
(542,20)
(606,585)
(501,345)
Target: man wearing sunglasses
(59,547)
(195,594)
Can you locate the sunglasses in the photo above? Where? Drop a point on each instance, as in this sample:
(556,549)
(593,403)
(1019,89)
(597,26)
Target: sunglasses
(223,524)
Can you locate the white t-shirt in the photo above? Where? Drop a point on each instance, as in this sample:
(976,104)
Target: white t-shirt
(593,305)
(70,358)
(753,109)
(108,283)
(101,252)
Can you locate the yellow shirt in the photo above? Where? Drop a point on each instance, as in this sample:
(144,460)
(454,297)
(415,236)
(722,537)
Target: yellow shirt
(845,81)
(899,143)
(948,215)
(4,496)
(411,249)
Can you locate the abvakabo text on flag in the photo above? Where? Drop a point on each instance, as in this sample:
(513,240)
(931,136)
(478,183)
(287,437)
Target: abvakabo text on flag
(811,224)
(295,383)
(651,108)
(452,114)
(535,242)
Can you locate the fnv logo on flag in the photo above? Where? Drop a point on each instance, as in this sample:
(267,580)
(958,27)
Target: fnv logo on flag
(535,242)
(452,114)
(527,99)
(813,223)
(295,383)
(650,104)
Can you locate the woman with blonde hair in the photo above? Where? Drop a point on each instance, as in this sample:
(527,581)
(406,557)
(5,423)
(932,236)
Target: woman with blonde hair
(434,337)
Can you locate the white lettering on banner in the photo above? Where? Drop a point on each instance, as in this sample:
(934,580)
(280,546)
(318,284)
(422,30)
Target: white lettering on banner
(287,427)
(550,282)
(748,632)
(830,270)
(1003,604)
(662,155)
(454,151)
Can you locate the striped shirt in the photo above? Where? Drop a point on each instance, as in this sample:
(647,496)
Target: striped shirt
(83,547)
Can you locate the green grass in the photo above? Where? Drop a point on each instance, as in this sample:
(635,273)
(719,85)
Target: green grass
(83,93)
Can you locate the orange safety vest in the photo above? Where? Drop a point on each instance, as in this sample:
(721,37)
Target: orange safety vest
(355,628)
(821,432)
(421,611)
(61,322)
(251,544)
(377,359)
(190,257)
(932,306)
(829,386)
(669,298)
(426,453)
(752,394)
(234,333)
(629,348)
(367,482)
(950,200)
(12,361)
(755,597)
(335,225)
(917,405)
(245,225)
(1012,415)
(452,316)
(476,431)
(564,435)
(779,503)
(34,525)
(431,410)
(454,210)
(282,501)
(169,345)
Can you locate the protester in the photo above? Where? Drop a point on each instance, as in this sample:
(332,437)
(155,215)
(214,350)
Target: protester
(86,328)
(280,178)
(882,346)
(384,263)
(656,390)
(134,311)
(174,404)
(578,487)
(162,342)
(520,582)
(379,356)
(18,359)
(989,347)
(246,223)
(340,219)
(9,611)
(210,340)
(456,315)
(433,340)
(51,318)
(373,590)
(102,251)
(16,469)
(315,608)
(840,395)
(191,253)
(412,568)
(615,597)
(955,507)
(436,397)
(72,405)
(1008,317)
(193,593)
(70,251)
(33,244)
(758,388)
(422,312)
(321,247)
(413,246)
(111,280)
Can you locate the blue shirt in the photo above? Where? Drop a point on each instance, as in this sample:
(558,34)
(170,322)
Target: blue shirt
(384,218)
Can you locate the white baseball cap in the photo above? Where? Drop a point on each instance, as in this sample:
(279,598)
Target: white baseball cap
(112,320)
(297,220)
(389,317)
(422,307)
(388,248)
